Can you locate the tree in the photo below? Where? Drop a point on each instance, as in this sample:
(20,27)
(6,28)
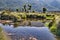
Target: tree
(17,10)
(24,7)
(44,10)
(29,6)
(33,11)
(22,10)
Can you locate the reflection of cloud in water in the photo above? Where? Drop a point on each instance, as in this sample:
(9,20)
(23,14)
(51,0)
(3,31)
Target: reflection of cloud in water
(37,24)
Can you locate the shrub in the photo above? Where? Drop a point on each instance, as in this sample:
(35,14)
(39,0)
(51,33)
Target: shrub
(50,24)
(53,30)
(0,29)
(58,29)
(58,33)
(3,35)
(16,24)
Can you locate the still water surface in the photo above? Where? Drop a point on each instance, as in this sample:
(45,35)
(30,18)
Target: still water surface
(41,33)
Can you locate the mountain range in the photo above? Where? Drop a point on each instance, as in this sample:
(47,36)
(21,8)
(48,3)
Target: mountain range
(51,5)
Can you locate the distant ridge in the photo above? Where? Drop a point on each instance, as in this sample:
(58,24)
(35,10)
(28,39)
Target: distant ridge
(51,5)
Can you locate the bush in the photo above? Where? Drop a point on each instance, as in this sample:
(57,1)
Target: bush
(50,24)
(58,29)
(53,30)
(58,32)
(0,29)
(3,35)
(16,24)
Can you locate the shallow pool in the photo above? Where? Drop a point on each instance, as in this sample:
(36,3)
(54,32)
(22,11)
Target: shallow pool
(40,33)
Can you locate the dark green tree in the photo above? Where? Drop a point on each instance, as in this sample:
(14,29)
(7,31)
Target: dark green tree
(22,10)
(24,7)
(17,10)
(29,7)
(44,10)
(33,11)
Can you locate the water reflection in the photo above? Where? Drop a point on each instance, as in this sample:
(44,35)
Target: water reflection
(37,33)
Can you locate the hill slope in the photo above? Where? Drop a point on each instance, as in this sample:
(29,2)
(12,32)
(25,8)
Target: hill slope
(51,5)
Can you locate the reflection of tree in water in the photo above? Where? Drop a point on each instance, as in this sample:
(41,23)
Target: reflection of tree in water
(30,38)
(29,23)
(22,39)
